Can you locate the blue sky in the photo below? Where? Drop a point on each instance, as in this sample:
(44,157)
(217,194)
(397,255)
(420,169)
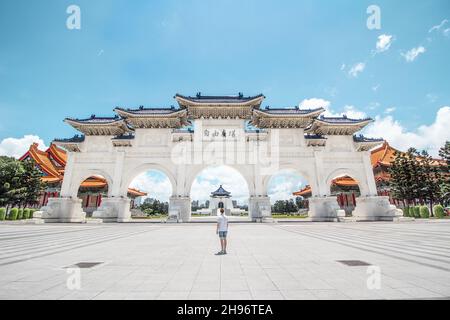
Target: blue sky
(131,53)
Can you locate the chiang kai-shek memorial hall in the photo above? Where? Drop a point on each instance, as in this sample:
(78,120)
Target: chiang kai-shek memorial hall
(204,131)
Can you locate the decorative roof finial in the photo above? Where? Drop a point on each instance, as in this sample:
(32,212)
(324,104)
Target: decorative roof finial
(92,116)
(199,94)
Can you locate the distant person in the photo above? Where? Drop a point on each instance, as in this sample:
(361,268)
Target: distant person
(222,230)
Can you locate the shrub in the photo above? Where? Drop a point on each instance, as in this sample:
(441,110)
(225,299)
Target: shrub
(32,213)
(406,212)
(26,213)
(424,212)
(2,214)
(13,214)
(417,212)
(20,214)
(411,212)
(439,211)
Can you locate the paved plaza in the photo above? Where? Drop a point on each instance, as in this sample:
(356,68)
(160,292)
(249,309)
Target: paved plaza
(265,261)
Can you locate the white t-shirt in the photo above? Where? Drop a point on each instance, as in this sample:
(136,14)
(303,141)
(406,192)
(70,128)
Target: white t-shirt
(222,220)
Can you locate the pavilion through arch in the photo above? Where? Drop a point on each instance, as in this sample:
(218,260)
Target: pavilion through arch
(216,187)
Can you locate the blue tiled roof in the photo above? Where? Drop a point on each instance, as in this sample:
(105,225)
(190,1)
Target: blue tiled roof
(76,139)
(143,111)
(342,120)
(221,192)
(94,119)
(199,98)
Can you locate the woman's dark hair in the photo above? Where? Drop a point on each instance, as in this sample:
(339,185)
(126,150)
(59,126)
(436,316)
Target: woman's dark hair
(221,210)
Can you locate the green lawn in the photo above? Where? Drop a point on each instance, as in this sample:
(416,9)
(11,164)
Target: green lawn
(288,216)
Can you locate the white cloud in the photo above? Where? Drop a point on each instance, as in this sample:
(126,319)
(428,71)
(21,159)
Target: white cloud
(412,54)
(353,113)
(439,26)
(446,32)
(314,103)
(384,42)
(356,69)
(17,147)
(376,87)
(349,110)
(343,67)
(428,137)
(389,110)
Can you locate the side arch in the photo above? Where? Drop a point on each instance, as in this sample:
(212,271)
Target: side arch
(360,177)
(82,175)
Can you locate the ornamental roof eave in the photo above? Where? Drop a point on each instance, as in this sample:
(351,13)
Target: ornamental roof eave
(99,126)
(337,126)
(289,112)
(150,112)
(284,117)
(200,100)
(365,144)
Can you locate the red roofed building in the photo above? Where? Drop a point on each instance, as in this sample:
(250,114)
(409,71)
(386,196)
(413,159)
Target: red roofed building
(52,163)
(346,188)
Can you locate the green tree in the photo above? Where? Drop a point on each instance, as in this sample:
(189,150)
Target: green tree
(430,180)
(403,172)
(444,153)
(11,187)
(32,182)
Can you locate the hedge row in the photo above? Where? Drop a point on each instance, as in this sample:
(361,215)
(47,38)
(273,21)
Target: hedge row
(16,214)
(423,212)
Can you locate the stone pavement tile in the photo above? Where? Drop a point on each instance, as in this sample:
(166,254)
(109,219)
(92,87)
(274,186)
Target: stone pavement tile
(235,295)
(329,295)
(204,295)
(144,295)
(81,295)
(298,295)
(314,284)
(360,294)
(420,293)
(262,283)
(392,294)
(108,295)
(233,285)
(267,295)
(122,285)
(173,295)
(179,285)
(206,285)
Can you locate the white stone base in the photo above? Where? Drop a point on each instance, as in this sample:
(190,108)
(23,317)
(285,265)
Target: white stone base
(323,209)
(65,210)
(113,210)
(259,208)
(183,206)
(375,208)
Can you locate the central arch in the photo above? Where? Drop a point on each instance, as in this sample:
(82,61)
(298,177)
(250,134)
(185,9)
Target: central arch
(207,180)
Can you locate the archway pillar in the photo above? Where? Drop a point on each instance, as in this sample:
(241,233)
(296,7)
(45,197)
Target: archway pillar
(114,209)
(259,208)
(324,209)
(180,208)
(375,208)
(63,210)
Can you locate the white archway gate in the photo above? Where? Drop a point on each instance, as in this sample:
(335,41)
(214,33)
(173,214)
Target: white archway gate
(218,130)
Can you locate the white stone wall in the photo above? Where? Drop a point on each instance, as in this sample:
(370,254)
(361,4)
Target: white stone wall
(181,160)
